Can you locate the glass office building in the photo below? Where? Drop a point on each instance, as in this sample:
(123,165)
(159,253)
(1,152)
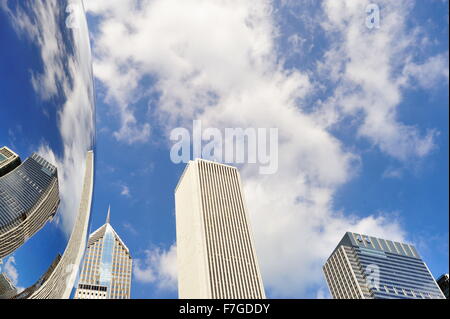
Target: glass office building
(107,266)
(8,160)
(29,197)
(365,267)
(443,284)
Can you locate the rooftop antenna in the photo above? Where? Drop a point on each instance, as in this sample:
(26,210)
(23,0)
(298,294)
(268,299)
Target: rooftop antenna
(109,213)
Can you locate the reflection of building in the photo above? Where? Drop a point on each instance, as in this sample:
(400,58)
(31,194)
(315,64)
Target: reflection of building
(59,284)
(443,284)
(215,250)
(107,266)
(7,288)
(8,160)
(25,294)
(363,267)
(29,197)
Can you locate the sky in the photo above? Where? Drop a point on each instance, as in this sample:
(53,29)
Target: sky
(362,116)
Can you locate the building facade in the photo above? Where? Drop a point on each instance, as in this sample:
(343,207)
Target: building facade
(8,160)
(29,197)
(7,288)
(443,284)
(107,267)
(215,249)
(365,267)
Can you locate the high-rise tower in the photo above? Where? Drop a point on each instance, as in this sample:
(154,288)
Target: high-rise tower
(365,267)
(442,282)
(215,251)
(8,160)
(107,266)
(7,288)
(29,197)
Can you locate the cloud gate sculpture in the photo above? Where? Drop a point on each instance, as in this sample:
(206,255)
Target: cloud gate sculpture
(47,146)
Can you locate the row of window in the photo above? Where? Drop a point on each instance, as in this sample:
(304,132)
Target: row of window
(388,291)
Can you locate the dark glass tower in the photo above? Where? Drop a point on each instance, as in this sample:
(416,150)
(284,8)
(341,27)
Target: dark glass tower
(8,160)
(365,267)
(443,284)
(29,197)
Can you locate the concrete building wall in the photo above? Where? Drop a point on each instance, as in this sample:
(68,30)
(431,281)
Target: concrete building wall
(193,274)
(216,253)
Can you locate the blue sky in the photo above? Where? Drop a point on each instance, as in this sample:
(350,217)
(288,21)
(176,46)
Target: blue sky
(362,114)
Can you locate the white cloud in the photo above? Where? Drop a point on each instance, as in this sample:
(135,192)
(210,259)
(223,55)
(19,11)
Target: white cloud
(11,271)
(217,61)
(130,228)
(366,67)
(158,267)
(392,172)
(323,294)
(125,191)
(430,73)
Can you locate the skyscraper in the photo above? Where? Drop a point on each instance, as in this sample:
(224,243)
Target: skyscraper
(8,160)
(443,284)
(215,251)
(7,288)
(107,266)
(29,197)
(364,267)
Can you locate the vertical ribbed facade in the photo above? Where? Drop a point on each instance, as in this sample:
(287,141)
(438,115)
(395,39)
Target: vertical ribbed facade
(218,261)
(365,267)
(107,267)
(344,276)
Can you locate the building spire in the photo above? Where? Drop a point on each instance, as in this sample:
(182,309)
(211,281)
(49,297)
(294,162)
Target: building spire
(108,216)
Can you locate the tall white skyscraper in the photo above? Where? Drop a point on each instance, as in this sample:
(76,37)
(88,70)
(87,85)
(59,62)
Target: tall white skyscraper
(107,266)
(215,250)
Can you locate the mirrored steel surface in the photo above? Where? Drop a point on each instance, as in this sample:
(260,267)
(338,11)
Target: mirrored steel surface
(47,130)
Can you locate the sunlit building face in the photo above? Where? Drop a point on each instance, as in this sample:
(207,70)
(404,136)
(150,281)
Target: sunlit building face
(216,256)
(107,267)
(47,142)
(366,267)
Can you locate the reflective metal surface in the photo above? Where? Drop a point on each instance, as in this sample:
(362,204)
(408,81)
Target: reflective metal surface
(47,130)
